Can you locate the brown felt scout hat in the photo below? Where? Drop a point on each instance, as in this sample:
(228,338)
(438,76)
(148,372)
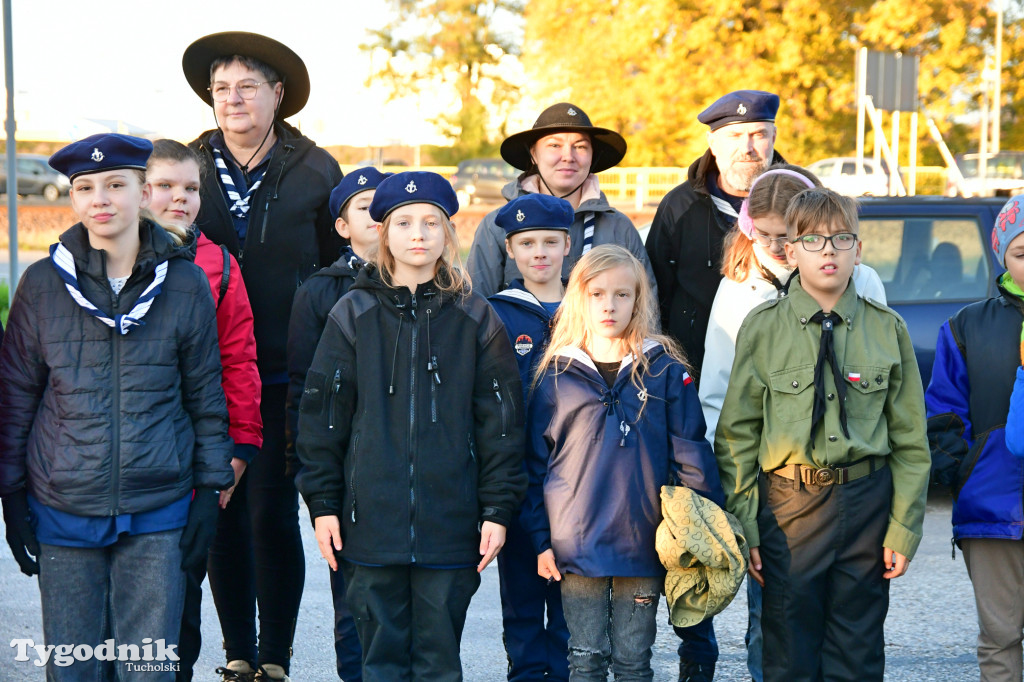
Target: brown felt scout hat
(609,146)
(278,56)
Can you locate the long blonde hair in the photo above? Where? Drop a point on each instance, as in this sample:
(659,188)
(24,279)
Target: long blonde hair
(571,327)
(449,274)
(768,196)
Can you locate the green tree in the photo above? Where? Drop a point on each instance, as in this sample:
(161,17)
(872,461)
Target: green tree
(459,44)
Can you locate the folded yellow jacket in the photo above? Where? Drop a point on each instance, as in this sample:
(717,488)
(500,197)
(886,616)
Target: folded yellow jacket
(703,548)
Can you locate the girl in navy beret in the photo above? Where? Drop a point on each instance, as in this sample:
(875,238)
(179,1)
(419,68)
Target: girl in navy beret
(114,434)
(411,437)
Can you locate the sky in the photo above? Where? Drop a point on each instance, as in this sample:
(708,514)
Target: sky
(121,60)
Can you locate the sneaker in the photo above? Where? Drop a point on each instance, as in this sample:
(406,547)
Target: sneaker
(272,671)
(691,671)
(237,671)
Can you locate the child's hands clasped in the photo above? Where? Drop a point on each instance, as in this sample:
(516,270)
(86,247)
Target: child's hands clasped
(328,538)
(492,539)
(895,563)
(546,566)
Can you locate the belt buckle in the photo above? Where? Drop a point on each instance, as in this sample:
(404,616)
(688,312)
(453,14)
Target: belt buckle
(825,476)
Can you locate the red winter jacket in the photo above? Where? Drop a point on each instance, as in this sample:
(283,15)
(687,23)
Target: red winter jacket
(240,378)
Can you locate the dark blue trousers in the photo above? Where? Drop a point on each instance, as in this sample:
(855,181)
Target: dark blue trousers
(346,641)
(536,650)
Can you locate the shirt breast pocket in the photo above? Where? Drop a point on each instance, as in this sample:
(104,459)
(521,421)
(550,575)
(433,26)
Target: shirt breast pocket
(793,393)
(866,390)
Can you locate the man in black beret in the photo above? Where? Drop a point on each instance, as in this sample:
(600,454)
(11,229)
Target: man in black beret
(685,248)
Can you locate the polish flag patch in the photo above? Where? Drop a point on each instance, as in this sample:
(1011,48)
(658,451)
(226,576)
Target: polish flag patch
(687,379)
(853,377)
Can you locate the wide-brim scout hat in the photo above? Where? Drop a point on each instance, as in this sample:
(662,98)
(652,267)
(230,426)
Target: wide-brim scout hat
(609,146)
(703,548)
(278,56)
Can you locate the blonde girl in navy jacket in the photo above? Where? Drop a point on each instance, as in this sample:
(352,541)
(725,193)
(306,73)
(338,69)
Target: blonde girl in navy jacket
(614,416)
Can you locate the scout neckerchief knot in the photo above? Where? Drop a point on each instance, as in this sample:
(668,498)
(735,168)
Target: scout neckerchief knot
(827,353)
(240,206)
(64,263)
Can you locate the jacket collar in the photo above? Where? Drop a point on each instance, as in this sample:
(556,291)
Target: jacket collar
(573,353)
(699,170)
(593,198)
(155,246)
(804,306)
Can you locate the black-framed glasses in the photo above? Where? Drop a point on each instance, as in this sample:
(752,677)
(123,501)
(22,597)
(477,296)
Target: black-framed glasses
(246,89)
(768,241)
(841,241)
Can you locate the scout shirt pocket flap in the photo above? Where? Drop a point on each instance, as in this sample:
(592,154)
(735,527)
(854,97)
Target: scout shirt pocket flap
(867,387)
(793,393)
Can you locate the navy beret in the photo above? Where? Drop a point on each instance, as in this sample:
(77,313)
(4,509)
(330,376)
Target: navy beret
(742,106)
(102,152)
(357,181)
(535,212)
(413,187)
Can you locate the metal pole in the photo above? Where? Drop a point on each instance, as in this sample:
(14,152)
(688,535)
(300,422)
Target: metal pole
(895,172)
(912,190)
(875,116)
(983,147)
(998,90)
(862,78)
(12,176)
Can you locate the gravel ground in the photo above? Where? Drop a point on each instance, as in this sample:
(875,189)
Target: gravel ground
(930,631)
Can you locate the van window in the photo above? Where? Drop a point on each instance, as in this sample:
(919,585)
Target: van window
(927,259)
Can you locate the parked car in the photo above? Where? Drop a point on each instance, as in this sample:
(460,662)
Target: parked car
(1004,175)
(840,174)
(477,180)
(934,256)
(35,177)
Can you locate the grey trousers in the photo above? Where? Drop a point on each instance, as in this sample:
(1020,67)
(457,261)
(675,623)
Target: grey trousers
(996,568)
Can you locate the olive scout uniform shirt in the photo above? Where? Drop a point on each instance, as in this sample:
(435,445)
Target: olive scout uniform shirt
(766,416)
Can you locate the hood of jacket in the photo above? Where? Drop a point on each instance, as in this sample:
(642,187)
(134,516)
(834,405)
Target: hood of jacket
(155,247)
(597,204)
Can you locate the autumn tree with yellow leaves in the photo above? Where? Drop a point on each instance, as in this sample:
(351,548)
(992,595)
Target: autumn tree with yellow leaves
(648,67)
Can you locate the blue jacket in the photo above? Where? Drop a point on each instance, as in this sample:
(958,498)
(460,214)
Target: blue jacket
(1015,417)
(596,463)
(976,361)
(528,325)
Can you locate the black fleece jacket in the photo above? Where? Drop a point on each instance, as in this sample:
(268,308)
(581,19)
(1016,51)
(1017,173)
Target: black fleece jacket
(291,234)
(411,424)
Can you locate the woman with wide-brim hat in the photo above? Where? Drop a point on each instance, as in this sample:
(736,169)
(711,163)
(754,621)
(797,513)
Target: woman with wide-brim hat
(267,201)
(560,155)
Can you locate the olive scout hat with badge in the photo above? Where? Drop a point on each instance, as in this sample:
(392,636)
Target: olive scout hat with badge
(102,152)
(535,212)
(609,146)
(741,106)
(413,187)
(289,66)
(356,182)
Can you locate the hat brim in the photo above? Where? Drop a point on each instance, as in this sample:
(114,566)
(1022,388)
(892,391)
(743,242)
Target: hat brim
(609,146)
(392,209)
(198,56)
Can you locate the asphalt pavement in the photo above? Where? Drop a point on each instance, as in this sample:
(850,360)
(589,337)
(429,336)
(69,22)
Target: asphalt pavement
(930,631)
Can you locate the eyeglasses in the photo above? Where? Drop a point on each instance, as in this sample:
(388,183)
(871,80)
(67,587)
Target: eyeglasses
(246,89)
(769,242)
(841,241)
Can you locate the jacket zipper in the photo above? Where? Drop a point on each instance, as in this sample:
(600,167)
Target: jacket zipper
(352,481)
(335,388)
(412,431)
(501,403)
(115,478)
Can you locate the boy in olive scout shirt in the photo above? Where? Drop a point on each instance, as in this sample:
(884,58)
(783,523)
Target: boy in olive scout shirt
(825,399)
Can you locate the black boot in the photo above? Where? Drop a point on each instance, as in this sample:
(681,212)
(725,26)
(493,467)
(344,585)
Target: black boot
(691,671)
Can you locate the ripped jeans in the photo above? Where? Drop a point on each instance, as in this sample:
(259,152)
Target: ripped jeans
(611,621)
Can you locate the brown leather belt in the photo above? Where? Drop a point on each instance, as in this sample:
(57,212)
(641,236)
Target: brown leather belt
(832,475)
